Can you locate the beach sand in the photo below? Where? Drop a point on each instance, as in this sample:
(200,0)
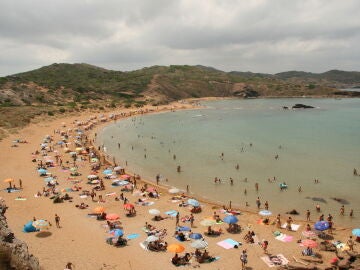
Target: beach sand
(81,240)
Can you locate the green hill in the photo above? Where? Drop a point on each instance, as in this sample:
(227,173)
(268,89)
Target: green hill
(60,88)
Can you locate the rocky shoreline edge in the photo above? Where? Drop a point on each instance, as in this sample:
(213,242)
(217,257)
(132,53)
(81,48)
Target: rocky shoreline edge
(14,251)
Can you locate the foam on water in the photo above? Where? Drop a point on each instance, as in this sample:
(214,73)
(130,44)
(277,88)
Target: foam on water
(322,143)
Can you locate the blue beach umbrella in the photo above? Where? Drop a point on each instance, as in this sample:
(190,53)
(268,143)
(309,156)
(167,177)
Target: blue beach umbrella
(183,229)
(196,236)
(28,227)
(107,171)
(193,202)
(117,232)
(230,219)
(356,232)
(321,225)
(42,171)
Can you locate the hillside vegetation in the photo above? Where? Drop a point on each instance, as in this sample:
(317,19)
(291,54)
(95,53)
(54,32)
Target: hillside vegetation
(61,88)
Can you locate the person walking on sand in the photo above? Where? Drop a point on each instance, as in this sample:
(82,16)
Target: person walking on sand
(265,245)
(20,183)
(308,215)
(257,186)
(243,259)
(177,219)
(350,243)
(57,221)
(192,219)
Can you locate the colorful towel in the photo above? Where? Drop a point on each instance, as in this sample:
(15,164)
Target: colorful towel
(133,236)
(110,194)
(284,238)
(294,227)
(20,199)
(228,243)
(171,213)
(273,261)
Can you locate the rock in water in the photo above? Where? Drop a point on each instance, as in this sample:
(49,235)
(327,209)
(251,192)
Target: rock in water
(302,106)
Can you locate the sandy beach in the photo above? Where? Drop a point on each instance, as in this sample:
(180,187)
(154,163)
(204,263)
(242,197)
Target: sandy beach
(82,239)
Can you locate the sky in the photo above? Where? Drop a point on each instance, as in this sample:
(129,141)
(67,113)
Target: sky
(242,35)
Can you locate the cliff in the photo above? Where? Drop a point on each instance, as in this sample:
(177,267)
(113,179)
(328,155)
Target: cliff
(15,251)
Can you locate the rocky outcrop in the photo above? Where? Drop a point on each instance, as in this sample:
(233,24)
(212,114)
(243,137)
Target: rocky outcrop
(15,251)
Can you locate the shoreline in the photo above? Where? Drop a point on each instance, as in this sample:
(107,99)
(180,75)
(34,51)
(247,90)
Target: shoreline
(164,188)
(81,239)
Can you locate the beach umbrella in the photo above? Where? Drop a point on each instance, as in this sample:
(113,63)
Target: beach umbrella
(99,210)
(150,189)
(41,224)
(195,236)
(183,229)
(94,182)
(42,171)
(49,179)
(208,222)
(107,171)
(309,233)
(230,219)
(356,232)
(199,244)
(125,176)
(73,169)
(321,225)
(177,248)
(265,213)
(112,216)
(117,168)
(174,190)
(309,243)
(28,227)
(117,232)
(128,206)
(193,202)
(151,238)
(154,212)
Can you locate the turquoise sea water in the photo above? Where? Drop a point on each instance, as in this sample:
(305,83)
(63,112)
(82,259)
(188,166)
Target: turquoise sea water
(321,143)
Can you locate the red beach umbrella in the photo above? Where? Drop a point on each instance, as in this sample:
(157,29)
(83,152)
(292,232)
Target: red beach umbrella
(128,206)
(309,243)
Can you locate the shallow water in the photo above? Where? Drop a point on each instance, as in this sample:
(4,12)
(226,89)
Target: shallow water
(321,143)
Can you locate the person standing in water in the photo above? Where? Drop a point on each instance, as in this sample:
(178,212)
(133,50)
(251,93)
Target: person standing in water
(257,186)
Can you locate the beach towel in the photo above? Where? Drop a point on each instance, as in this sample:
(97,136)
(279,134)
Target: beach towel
(83,196)
(228,243)
(273,261)
(211,218)
(20,199)
(133,236)
(171,213)
(143,245)
(294,227)
(110,194)
(145,203)
(284,238)
(341,246)
(11,190)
